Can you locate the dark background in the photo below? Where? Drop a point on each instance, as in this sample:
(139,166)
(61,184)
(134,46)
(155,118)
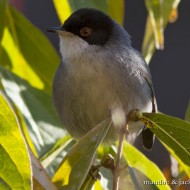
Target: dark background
(170,68)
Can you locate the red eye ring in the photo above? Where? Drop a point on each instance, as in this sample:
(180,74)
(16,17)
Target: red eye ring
(86,31)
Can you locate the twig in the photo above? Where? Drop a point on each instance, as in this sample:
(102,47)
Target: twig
(117,168)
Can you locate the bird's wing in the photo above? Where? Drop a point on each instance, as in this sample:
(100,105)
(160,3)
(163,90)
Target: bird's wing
(147,135)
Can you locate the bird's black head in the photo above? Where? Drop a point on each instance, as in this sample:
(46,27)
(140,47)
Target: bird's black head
(91,25)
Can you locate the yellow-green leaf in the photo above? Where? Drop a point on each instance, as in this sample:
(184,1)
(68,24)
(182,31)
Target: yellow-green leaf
(187,114)
(56,149)
(98,186)
(27,64)
(154,8)
(3,6)
(25,130)
(173,132)
(75,166)
(183,166)
(36,108)
(98,4)
(116,12)
(135,159)
(15,171)
(159,12)
(65,8)
(24,54)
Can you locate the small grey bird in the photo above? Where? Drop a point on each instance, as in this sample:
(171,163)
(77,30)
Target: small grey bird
(100,75)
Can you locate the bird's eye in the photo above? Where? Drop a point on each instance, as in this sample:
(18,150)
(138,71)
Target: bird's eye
(85,31)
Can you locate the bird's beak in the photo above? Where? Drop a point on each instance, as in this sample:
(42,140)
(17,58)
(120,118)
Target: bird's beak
(55,29)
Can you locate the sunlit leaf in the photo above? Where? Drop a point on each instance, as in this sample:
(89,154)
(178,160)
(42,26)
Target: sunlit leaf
(65,8)
(55,155)
(138,162)
(26,77)
(148,47)
(26,56)
(166,7)
(36,108)
(25,131)
(98,186)
(116,12)
(15,170)
(17,59)
(154,8)
(75,166)
(173,132)
(53,166)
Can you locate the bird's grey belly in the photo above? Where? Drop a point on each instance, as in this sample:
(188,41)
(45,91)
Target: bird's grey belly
(82,102)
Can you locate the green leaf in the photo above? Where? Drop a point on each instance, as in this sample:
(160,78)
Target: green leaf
(148,46)
(3,6)
(159,12)
(24,52)
(183,166)
(109,7)
(89,182)
(15,170)
(116,12)
(137,161)
(98,4)
(24,129)
(63,15)
(173,132)
(54,151)
(53,166)
(51,160)
(36,108)
(26,71)
(154,8)
(187,114)
(75,166)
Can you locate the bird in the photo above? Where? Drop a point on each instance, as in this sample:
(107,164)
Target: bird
(100,75)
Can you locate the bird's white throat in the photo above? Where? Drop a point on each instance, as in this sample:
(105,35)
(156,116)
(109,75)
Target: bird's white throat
(72,46)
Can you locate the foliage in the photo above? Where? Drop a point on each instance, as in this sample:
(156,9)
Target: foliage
(13,174)
(31,125)
(160,13)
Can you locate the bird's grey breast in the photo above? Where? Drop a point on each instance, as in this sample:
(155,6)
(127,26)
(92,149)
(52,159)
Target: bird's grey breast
(86,89)
(82,93)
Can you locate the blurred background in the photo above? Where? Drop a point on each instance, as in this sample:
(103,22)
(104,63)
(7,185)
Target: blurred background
(169,67)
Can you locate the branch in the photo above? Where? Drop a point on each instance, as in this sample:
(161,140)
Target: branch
(117,168)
